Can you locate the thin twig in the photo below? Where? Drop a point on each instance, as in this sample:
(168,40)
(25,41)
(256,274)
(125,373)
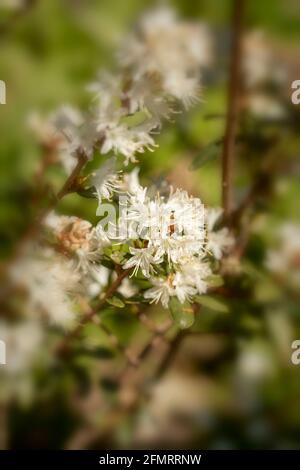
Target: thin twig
(157,335)
(233,107)
(63,347)
(170,355)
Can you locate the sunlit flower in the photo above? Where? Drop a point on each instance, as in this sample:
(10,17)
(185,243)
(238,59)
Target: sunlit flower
(170,50)
(79,237)
(161,292)
(127,142)
(143,259)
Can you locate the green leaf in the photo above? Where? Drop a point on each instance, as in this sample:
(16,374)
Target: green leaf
(215,280)
(88,193)
(135,299)
(183,314)
(212,303)
(134,119)
(116,302)
(107,263)
(207,154)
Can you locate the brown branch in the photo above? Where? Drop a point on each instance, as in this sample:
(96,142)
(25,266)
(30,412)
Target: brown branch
(260,187)
(233,107)
(157,335)
(156,332)
(63,347)
(71,181)
(171,353)
(173,347)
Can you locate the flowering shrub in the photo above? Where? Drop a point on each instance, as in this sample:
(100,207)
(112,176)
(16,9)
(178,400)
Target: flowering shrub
(131,258)
(171,241)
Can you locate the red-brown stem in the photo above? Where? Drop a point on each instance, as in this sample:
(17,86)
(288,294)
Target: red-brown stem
(233,107)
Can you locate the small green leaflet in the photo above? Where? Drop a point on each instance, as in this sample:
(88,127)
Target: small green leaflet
(215,280)
(116,302)
(212,303)
(207,154)
(89,193)
(182,314)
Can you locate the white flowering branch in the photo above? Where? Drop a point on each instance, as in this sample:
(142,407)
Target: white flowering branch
(160,247)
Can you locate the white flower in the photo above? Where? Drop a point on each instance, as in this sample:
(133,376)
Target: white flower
(185,89)
(196,272)
(218,241)
(127,142)
(173,227)
(176,232)
(171,51)
(80,132)
(77,236)
(161,292)
(106,181)
(183,289)
(107,90)
(143,259)
(131,183)
(175,223)
(189,279)
(101,236)
(146,95)
(159,67)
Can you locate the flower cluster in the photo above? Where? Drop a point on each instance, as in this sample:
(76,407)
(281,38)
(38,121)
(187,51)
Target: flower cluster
(172,241)
(167,55)
(159,69)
